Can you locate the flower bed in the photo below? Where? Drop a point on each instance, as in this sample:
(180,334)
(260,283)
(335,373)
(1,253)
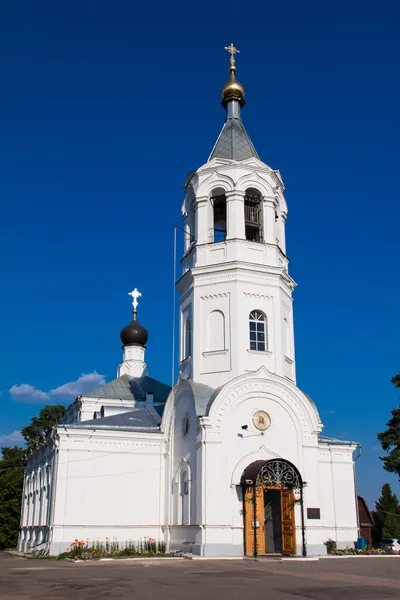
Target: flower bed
(364,552)
(96,549)
(368,551)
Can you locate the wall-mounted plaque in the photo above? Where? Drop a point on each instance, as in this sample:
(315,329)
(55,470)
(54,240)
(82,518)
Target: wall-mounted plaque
(313,513)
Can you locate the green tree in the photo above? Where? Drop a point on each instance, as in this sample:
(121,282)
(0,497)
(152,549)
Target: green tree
(390,438)
(12,466)
(386,516)
(40,426)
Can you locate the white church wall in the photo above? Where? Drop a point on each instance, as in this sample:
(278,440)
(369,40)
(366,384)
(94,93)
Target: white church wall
(314,498)
(108,486)
(338,494)
(229,449)
(344,496)
(255,297)
(233,299)
(37,497)
(214,331)
(181,474)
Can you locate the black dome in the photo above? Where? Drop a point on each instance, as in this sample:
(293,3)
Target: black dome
(134,334)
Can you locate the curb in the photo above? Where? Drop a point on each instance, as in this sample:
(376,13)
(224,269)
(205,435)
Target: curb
(128,559)
(362,556)
(301,559)
(195,557)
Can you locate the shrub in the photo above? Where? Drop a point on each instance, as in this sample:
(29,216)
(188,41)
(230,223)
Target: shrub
(330,546)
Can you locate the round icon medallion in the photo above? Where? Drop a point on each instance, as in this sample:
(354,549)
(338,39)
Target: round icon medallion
(261,420)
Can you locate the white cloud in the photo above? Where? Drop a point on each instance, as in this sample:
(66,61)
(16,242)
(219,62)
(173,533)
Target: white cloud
(85,383)
(66,392)
(12,439)
(27,393)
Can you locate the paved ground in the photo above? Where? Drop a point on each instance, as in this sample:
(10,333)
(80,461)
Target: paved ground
(328,579)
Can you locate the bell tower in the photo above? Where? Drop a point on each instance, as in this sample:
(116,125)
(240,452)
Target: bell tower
(235,290)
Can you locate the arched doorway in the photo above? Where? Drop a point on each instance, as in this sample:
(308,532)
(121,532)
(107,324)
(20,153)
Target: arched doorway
(270,489)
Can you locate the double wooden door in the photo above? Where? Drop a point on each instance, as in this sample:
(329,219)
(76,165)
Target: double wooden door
(255,519)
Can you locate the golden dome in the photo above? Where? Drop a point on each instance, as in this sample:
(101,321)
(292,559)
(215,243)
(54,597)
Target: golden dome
(233,89)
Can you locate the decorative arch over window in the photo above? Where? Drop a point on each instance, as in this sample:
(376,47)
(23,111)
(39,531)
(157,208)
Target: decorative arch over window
(253,215)
(188,339)
(258,331)
(218,202)
(216,330)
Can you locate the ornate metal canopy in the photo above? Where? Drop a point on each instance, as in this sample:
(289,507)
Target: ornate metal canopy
(279,472)
(276,472)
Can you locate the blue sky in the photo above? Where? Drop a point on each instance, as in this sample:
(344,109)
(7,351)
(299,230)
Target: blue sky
(106,106)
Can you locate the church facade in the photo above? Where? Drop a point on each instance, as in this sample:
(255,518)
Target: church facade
(231,461)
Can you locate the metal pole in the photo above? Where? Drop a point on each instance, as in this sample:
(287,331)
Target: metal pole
(303,528)
(173,314)
(254,520)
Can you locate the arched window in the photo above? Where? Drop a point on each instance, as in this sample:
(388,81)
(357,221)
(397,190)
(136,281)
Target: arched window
(253,215)
(218,202)
(188,339)
(258,331)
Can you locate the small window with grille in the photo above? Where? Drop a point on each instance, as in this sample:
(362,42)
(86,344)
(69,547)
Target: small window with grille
(258,331)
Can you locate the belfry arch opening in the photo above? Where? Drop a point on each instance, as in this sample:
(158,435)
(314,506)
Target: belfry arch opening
(218,202)
(253,217)
(271,491)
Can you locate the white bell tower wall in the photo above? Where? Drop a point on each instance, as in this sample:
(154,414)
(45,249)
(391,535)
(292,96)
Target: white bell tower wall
(235,290)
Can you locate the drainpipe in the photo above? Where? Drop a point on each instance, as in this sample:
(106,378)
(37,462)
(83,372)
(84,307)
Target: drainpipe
(359,447)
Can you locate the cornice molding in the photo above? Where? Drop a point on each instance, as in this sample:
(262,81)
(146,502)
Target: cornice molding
(235,195)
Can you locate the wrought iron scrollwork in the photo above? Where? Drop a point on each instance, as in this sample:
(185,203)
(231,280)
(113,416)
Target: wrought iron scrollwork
(279,472)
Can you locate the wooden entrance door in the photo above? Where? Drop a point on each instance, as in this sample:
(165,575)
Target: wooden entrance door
(288,525)
(249,521)
(288,529)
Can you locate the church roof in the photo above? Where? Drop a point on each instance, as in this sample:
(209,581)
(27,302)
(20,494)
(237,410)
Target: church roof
(132,388)
(324,439)
(234,142)
(137,419)
(203,397)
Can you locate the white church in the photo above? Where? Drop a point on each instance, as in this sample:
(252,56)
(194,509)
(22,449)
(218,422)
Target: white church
(230,461)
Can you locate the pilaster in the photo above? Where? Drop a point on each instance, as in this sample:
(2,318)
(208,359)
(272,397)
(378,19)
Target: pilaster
(235,215)
(281,231)
(202,225)
(269,212)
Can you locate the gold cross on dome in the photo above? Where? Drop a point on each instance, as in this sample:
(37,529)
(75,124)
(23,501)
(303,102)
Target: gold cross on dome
(232,51)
